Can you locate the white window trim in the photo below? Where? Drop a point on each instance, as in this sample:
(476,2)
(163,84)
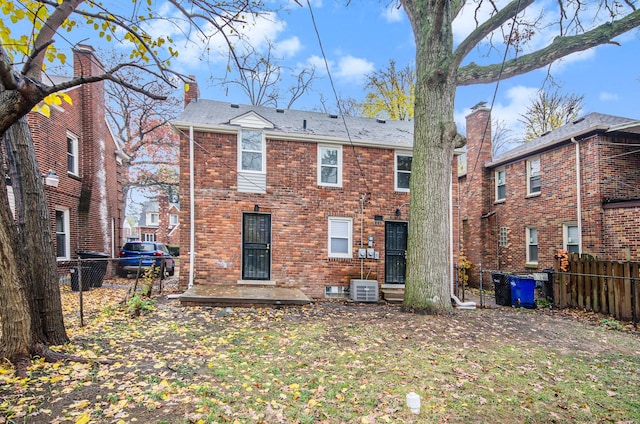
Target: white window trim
(339,165)
(528,243)
(528,164)
(349,254)
(263,153)
(173,219)
(395,170)
(565,236)
(75,148)
(67,232)
(497,172)
(150,221)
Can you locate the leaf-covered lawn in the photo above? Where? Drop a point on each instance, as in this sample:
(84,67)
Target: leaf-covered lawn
(327,363)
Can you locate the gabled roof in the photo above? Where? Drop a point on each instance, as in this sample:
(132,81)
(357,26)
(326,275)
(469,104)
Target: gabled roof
(589,124)
(289,124)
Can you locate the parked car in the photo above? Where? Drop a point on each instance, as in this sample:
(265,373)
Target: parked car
(141,255)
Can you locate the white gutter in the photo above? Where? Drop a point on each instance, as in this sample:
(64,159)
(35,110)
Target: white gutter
(192,232)
(578,195)
(459,304)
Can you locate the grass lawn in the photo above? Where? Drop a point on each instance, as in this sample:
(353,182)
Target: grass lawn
(331,362)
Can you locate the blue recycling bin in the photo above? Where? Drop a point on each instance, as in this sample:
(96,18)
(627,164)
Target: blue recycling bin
(522,291)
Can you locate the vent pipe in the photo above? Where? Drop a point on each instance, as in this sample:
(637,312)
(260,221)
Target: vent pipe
(304,124)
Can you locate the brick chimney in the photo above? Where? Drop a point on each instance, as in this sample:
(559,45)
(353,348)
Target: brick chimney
(475,190)
(193,93)
(86,64)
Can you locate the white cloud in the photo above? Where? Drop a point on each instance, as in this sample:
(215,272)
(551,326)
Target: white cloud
(393,13)
(606,96)
(318,63)
(288,47)
(517,99)
(353,68)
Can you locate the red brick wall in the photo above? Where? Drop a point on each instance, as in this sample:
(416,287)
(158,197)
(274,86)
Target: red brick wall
(299,210)
(622,241)
(100,176)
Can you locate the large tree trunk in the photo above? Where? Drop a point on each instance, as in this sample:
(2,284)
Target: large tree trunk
(16,339)
(427,286)
(36,237)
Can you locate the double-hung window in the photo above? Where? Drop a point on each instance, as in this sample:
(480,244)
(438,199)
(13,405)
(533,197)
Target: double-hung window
(252,161)
(402,171)
(173,219)
(152,218)
(72,155)
(340,237)
(571,238)
(533,176)
(63,236)
(251,151)
(501,185)
(532,245)
(330,166)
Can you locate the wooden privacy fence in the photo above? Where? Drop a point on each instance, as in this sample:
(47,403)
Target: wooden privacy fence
(583,281)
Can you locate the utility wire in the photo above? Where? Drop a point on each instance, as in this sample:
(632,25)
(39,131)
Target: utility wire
(335,94)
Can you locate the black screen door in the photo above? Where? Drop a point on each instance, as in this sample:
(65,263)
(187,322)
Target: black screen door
(256,246)
(395,247)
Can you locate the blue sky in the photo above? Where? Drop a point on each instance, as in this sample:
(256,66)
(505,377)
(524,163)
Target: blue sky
(363,36)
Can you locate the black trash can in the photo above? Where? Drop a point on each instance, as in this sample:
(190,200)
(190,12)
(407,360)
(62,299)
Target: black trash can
(502,288)
(98,266)
(86,278)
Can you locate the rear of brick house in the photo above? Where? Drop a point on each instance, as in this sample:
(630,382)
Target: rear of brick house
(76,143)
(576,188)
(287,198)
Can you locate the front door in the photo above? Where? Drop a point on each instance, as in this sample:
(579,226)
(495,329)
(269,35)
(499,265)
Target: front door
(395,246)
(256,246)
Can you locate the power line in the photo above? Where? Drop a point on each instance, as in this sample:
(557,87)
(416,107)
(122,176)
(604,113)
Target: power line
(335,94)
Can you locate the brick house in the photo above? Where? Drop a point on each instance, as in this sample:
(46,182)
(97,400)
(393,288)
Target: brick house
(576,188)
(291,198)
(159,221)
(76,144)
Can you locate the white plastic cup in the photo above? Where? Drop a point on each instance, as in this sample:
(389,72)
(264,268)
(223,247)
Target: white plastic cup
(413,402)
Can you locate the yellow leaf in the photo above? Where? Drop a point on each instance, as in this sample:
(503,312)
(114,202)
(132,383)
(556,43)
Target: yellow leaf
(66,98)
(84,419)
(45,110)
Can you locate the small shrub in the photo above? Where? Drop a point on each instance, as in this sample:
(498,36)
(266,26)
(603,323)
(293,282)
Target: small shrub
(138,305)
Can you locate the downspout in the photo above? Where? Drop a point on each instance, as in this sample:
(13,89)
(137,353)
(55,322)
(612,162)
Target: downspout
(192,214)
(458,302)
(578,194)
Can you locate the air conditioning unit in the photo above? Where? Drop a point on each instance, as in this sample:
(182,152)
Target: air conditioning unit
(364,290)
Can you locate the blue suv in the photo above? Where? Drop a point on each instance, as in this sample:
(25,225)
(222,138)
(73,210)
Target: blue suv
(142,255)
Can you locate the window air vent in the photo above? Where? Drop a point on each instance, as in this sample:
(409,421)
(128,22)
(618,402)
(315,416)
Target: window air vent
(235,106)
(364,290)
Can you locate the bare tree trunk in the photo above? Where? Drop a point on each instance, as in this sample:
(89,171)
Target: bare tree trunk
(36,239)
(428,261)
(16,337)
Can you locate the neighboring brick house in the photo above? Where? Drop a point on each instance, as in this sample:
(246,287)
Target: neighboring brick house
(576,188)
(160,221)
(76,144)
(289,198)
